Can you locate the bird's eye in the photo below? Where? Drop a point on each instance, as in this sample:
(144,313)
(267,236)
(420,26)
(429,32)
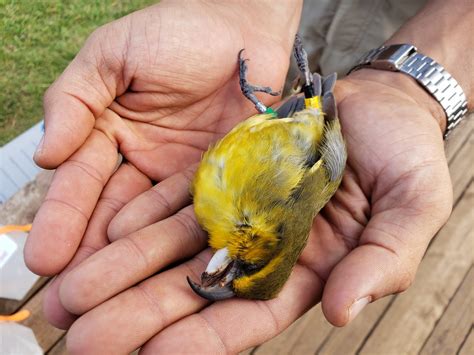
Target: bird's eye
(249,268)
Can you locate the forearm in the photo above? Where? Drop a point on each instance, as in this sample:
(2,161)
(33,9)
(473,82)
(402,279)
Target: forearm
(442,30)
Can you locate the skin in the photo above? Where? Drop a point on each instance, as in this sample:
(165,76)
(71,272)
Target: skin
(366,243)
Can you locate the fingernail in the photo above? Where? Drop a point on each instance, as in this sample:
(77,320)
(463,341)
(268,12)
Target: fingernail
(119,162)
(358,306)
(39,148)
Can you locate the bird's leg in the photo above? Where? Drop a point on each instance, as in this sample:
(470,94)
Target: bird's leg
(248,89)
(302,61)
(312,83)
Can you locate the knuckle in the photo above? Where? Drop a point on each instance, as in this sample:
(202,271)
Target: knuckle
(111,203)
(188,174)
(132,247)
(160,199)
(190,226)
(152,302)
(88,169)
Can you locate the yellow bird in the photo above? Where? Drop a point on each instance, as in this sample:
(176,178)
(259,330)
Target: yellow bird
(258,189)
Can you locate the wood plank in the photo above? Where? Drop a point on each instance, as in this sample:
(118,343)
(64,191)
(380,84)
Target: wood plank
(348,339)
(59,348)
(455,323)
(467,348)
(459,136)
(312,335)
(295,339)
(412,316)
(45,334)
(462,168)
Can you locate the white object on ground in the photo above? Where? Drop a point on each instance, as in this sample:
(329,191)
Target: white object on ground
(15,278)
(17,339)
(17,167)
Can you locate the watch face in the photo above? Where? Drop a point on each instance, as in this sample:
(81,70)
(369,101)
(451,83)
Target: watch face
(396,55)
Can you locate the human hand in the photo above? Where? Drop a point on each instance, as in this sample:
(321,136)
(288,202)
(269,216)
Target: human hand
(157,86)
(365,244)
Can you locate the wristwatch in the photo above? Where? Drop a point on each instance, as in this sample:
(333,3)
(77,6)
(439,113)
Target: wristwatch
(428,73)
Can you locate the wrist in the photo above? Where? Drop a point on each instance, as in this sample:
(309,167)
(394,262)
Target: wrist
(274,21)
(407,86)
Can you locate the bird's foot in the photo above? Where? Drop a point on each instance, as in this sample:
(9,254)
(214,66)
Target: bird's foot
(248,90)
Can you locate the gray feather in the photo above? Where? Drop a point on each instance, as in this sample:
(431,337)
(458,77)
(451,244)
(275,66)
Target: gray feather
(291,106)
(329,82)
(329,106)
(333,151)
(317,84)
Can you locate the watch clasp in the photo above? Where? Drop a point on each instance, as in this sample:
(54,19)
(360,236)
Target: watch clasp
(392,57)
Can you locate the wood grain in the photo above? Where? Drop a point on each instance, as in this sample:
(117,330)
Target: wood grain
(59,348)
(461,167)
(413,314)
(459,136)
(467,348)
(455,323)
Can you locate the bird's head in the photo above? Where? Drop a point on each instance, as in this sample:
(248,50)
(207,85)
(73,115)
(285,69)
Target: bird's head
(248,263)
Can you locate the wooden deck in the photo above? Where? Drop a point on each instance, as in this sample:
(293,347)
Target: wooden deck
(435,316)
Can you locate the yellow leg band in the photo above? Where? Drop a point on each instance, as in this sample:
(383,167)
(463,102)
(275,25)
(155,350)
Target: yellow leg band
(313,102)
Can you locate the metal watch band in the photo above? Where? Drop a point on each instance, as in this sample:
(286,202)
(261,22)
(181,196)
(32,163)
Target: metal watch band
(428,73)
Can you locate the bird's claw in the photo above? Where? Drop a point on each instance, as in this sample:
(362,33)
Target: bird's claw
(216,281)
(248,89)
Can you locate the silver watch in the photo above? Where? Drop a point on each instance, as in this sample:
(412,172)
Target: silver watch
(429,74)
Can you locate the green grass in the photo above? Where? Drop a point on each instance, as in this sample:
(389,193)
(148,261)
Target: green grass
(38,38)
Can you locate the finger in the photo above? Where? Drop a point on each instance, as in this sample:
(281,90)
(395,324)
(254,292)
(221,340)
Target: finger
(391,249)
(62,219)
(87,86)
(235,325)
(139,312)
(153,205)
(143,311)
(126,183)
(130,260)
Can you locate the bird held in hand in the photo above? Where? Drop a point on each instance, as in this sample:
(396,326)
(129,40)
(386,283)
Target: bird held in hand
(258,189)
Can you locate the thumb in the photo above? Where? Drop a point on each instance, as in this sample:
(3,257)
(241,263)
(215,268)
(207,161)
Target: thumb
(385,263)
(77,97)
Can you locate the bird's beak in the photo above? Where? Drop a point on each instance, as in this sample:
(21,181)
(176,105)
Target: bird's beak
(216,281)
